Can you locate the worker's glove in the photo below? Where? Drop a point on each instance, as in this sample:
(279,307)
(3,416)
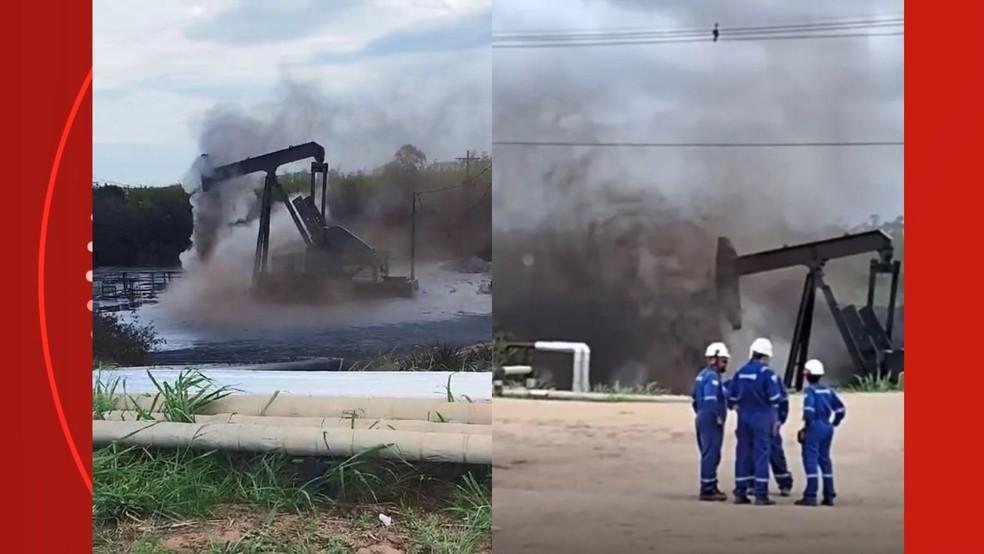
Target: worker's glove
(720,422)
(801,436)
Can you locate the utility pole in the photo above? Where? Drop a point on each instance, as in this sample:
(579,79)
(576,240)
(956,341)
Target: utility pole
(469,157)
(466,195)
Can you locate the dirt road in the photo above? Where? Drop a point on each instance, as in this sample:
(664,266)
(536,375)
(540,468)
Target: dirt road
(619,477)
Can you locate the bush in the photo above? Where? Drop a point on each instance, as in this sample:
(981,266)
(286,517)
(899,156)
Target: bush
(119,343)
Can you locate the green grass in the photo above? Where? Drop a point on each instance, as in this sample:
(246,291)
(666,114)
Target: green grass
(103,395)
(181,400)
(136,483)
(443,508)
(875,382)
(439,357)
(140,483)
(465,526)
(154,485)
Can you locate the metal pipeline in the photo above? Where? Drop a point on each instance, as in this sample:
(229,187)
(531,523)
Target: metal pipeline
(581,381)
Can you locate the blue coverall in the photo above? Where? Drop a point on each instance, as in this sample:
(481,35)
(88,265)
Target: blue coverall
(710,406)
(777,457)
(754,391)
(820,403)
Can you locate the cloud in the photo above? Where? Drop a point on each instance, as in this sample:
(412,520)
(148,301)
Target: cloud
(253,21)
(161,66)
(446,35)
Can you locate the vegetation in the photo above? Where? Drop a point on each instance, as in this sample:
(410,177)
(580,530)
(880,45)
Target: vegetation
(439,357)
(143,496)
(154,500)
(115,342)
(875,382)
(151,226)
(139,226)
(104,395)
(180,401)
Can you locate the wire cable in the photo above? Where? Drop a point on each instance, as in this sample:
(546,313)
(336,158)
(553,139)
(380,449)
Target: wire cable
(615,144)
(703,31)
(859,20)
(694,39)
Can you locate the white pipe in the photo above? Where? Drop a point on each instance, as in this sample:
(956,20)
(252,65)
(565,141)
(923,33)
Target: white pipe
(580,381)
(510,370)
(297,441)
(585,367)
(350,423)
(378,384)
(592,396)
(290,405)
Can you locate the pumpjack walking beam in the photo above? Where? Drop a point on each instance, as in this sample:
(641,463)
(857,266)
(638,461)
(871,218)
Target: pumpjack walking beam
(867,342)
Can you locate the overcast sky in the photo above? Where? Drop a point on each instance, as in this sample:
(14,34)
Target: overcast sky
(417,70)
(781,90)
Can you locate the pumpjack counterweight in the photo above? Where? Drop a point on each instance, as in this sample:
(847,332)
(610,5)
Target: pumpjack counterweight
(869,343)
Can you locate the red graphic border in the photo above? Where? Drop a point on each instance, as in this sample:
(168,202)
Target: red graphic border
(48,52)
(42,250)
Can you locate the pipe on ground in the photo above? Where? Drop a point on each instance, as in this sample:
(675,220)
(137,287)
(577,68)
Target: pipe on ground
(581,381)
(591,396)
(284,405)
(297,441)
(359,423)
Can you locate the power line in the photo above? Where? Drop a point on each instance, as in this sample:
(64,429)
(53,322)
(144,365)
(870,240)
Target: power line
(702,33)
(644,32)
(453,187)
(694,39)
(856,20)
(602,144)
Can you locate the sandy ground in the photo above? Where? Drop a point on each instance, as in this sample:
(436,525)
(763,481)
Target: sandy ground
(621,477)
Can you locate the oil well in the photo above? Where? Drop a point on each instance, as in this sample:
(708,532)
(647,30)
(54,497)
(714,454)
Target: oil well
(335,263)
(870,344)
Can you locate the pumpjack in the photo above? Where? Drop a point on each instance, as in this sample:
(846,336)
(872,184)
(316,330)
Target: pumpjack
(334,261)
(870,344)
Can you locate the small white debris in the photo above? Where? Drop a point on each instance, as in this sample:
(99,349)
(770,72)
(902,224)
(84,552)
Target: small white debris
(385,520)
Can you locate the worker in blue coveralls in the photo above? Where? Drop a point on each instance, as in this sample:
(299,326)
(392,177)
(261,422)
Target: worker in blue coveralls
(710,407)
(819,404)
(777,457)
(755,394)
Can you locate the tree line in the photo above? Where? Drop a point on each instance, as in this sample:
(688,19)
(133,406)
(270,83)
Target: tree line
(151,226)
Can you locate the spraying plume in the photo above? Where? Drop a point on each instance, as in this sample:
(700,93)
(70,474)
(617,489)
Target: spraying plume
(616,246)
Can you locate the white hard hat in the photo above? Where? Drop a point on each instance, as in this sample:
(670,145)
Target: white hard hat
(814,367)
(717,349)
(760,346)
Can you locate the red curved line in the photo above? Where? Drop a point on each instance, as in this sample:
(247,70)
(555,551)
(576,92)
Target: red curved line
(42,249)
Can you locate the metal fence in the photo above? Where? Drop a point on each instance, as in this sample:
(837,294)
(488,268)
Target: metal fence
(115,290)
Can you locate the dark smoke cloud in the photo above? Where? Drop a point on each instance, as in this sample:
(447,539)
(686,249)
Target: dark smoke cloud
(443,117)
(615,246)
(357,133)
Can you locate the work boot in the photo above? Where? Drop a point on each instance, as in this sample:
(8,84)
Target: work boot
(742,499)
(828,502)
(764,502)
(806,502)
(784,492)
(715,496)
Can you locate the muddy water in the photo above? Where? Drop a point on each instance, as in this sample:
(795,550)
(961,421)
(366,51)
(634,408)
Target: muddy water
(449,307)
